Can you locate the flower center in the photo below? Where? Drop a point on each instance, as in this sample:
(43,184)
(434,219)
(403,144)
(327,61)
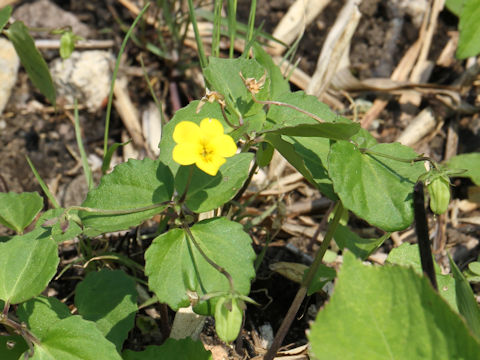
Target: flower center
(206,151)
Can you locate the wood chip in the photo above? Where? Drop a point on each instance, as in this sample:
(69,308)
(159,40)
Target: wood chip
(420,126)
(293,24)
(336,45)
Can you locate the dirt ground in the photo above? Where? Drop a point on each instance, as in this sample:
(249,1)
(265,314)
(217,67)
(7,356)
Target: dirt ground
(30,127)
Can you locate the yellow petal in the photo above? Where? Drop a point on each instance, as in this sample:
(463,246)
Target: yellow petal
(186,132)
(211,128)
(210,167)
(186,153)
(224,145)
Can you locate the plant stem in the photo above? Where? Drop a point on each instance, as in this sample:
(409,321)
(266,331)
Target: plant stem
(297,301)
(114,76)
(217,267)
(198,39)
(412,160)
(119,212)
(421,228)
(187,185)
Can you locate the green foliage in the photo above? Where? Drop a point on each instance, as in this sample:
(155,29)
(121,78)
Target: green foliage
(375,186)
(388,312)
(360,247)
(470,163)
(27,264)
(12,347)
(74,338)
(4,16)
(17,211)
(223,76)
(41,313)
(174,265)
(109,299)
(469,27)
(31,59)
(132,185)
(171,349)
(210,192)
(409,256)
(323,275)
(52,220)
(467,303)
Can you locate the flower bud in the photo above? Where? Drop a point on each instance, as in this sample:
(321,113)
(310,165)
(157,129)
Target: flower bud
(439,190)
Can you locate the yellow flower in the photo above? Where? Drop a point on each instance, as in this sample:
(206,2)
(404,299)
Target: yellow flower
(205,146)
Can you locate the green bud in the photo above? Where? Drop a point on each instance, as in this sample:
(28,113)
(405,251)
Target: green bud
(67,44)
(439,190)
(228,318)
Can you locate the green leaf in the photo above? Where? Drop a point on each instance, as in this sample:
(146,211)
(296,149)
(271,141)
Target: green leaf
(27,264)
(334,131)
(184,349)
(314,152)
(74,338)
(209,192)
(467,304)
(223,76)
(469,27)
(12,346)
(455,6)
(281,116)
(264,153)
(174,266)
(360,247)
(17,211)
(409,255)
(288,152)
(50,220)
(388,313)
(108,298)
(469,162)
(131,185)
(41,313)
(278,84)
(376,188)
(4,16)
(188,113)
(31,59)
(323,275)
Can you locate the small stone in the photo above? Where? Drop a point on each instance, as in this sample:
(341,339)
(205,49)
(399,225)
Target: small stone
(85,76)
(45,14)
(9,63)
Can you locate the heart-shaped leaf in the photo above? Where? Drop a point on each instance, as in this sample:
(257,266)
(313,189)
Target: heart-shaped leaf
(388,313)
(108,298)
(41,313)
(17,211)
(174,265)
(171,349)
(74,338)
(132,185)
(376,188)
(27,264)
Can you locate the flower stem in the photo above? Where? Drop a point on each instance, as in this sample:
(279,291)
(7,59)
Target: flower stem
(307,280)
(187,185)
(217,267)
